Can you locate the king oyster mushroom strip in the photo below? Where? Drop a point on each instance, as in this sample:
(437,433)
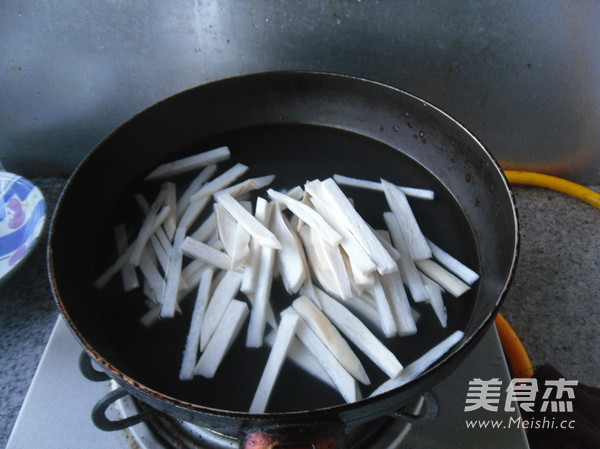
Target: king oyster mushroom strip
(345,280)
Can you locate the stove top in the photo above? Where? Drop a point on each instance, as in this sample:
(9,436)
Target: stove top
(56,411)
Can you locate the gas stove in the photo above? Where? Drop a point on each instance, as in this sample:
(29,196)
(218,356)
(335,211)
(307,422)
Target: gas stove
(56,413)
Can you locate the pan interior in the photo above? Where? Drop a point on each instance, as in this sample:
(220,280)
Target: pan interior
(295,154)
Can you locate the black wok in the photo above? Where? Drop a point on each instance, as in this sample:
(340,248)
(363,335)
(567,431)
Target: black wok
(298,126)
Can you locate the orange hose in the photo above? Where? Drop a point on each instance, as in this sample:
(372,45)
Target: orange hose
(516,354)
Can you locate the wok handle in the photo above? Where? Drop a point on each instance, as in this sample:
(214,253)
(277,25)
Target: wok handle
(99,411)
(310,436)
(103,423)
(428,410)
(87,369)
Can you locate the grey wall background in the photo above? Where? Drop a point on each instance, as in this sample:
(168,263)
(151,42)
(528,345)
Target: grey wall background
(522,76)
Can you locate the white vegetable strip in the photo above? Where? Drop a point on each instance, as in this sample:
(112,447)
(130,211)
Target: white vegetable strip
(189,163)
(173,276)
(220,182)
(151,304)
(361,336)
(254,227)
(246,205)
(354,286)
(121,261)
(330,336)
(182,283)
(283,339)
(367,310)
(214,241)
(386,317)
(193,187)
(192,268)
(359,279)
(151,316)
(316,258)
(453,264)
(291,257)
(192,280)
(147,227)
(336,200)
(142,203)
(227,228)
(269,314)
(264,280)
(412,280)
(159,251)
(241,247)
(425,194)
(408,269)
(170,223)
(206,229)
(343,381)
(416,315)
(224,292)
(224,335)
(152,275)
(162,238)
(310,291)
(249,185)
(368,298)
(302,357)
(419,249)
(192,212)
(359,259)
(148,292)
(308,216)
(296,193)
(295,220)
(361,263)
(356,182)
(332,256)
(128,274)
(202,251)
(420,365)
(396,295)
(252,267)
(192,344)
(384,237)
(160,218)
(439,274)
(436,301)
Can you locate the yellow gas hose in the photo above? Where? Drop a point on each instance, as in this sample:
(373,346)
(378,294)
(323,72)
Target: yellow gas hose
(516,354)
(554,183)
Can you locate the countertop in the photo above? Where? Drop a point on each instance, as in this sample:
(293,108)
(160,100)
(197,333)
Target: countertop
(553,303)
